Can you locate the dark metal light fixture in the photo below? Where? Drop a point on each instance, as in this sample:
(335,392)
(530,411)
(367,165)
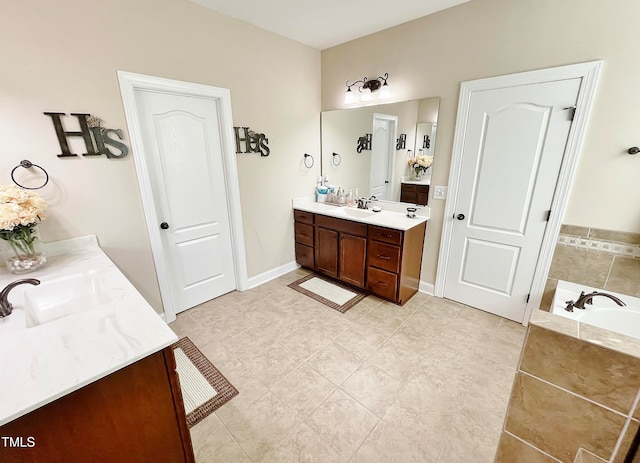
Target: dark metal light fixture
(366,87)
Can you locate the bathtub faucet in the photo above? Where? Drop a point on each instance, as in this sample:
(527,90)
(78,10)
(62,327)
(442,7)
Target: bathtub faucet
(5,306)
(588,299)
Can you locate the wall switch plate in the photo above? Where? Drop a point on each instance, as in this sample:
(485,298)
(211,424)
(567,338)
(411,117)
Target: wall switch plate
(440,192)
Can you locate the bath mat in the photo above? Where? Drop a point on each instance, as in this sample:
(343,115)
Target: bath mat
(331,293)
(204,388)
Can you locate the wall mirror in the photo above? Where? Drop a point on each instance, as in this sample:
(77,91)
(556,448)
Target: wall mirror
(364,147)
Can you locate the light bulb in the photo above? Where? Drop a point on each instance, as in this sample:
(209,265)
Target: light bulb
(348,97)
(385,92)
(366,95)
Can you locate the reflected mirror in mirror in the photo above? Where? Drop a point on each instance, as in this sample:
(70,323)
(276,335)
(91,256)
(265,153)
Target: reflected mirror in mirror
(380,166)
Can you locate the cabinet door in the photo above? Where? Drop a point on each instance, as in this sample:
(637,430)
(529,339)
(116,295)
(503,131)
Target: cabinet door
(408,193)
(353,254)
(326,250)
(423,195)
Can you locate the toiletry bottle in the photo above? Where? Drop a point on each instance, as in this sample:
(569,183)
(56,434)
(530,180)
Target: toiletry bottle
(349,200)
(341,198)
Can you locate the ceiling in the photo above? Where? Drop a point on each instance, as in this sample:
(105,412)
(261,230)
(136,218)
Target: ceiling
(325,23)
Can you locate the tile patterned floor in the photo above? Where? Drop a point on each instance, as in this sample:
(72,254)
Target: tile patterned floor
(426,382)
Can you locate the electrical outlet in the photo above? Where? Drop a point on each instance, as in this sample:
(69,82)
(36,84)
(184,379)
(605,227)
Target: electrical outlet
(440,192)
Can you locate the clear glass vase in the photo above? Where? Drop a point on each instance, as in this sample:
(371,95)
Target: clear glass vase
(22,249)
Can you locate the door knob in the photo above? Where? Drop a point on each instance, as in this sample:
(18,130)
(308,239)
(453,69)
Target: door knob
(164,225)
(460,216)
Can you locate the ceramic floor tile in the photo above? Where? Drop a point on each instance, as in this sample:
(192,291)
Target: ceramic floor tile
(434,386)
(396,360)
(373,388)
(342,423)
(361,341)
(301,446)
(335,363)
(262,427)
(303,390)
(386,444)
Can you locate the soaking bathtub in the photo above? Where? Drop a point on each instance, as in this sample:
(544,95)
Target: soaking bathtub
(603,313)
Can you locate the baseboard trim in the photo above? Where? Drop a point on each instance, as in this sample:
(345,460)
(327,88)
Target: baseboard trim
(427,288)
(272,274)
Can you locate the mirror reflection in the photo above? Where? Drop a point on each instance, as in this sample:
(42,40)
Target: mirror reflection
(374,149)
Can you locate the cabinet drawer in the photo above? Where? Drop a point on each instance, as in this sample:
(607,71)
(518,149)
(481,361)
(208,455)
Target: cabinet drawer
(382,283)
(304,233)
(302,216)
(386,235)
(423,195)
(305,255)
(384,256)
(346,226)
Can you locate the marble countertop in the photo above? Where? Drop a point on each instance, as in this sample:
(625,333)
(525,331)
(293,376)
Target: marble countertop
(393,214)
(412,181)
(43,363)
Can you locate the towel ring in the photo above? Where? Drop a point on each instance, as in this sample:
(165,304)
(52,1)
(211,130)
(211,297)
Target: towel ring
(336,159)
(306,164)
(28,164)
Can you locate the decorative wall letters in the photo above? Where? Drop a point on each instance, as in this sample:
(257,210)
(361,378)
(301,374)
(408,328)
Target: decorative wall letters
(253,142)
(364,143)
(92,132)
(401,143)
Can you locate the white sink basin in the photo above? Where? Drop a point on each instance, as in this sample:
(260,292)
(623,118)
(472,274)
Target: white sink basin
(64,296)
(353,212)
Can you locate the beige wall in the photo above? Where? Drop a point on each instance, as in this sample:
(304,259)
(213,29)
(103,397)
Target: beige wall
(485,38)
(63,56)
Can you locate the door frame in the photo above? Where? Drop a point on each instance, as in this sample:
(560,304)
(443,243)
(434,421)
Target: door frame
(589,72)
(129,83)
(391,159)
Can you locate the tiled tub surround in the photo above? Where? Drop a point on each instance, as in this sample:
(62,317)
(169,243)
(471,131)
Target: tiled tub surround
(41,364)
(594,257)
(427,382)
(577,387)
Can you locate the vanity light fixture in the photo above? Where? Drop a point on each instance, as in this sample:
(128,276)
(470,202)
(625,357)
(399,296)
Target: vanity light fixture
(366,87)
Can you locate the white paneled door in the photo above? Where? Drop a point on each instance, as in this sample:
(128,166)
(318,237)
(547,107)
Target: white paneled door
(514,142)
(181,135)
(383,150)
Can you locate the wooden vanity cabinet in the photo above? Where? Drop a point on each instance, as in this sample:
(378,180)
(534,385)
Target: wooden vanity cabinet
(393,262)
(384,261)
(305,238)
(413,193)
(341,249)
(135,414)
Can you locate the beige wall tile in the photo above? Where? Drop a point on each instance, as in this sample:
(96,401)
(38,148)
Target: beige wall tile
(604,376)
(574,230)
(616,236)
(580,266)
(560,423)
(625,276)
(626,443)
(512,450)
(549,293)
(588,457)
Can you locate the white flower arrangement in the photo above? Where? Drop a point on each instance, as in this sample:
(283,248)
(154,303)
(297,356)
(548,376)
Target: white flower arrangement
(420,164)
(20,212)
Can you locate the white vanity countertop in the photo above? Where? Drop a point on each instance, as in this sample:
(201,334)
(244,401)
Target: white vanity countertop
(410,180)
(393,214)
(41,364)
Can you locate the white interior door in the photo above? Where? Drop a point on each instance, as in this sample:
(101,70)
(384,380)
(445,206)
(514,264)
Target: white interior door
(514,141)
(383,148)
(181,136)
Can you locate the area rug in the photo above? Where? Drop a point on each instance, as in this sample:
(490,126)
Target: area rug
(204,388)
(331,293)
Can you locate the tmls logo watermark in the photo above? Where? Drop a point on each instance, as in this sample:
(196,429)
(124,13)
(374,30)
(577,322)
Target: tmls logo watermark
(18,442)
(91,132)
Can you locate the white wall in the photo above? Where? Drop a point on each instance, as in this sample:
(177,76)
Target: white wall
(484,38)
(63,56)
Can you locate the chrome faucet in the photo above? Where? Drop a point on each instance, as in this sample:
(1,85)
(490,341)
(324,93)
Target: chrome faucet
(588,299)
(5,306)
